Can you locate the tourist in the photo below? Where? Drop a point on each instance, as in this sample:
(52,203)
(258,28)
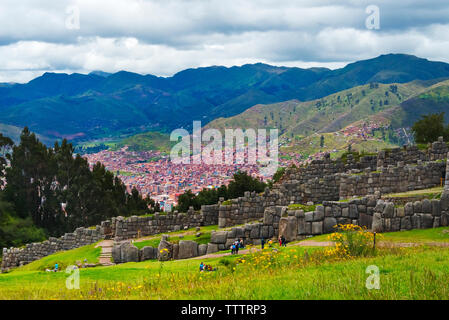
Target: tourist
(262,243)
(241,244)
(237,244)
(201,267)
(233,248)
(283,241)
(280,241)
(56,267)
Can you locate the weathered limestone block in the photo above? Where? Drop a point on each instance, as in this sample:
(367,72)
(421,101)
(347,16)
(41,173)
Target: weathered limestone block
(308,216)
(148,253)
(211,248)
(288,227)
(317,227)
(406,223)
(426,206)
(388,210)
(416,221)
(436,209)
(427,221)
(377,225)
(164,255)
(318,215)
(408,208)
(219,237)
(366,220)
(328,225)
(202,249)
(187,249)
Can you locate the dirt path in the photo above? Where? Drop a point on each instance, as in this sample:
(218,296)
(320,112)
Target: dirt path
(306,243)
(312,243)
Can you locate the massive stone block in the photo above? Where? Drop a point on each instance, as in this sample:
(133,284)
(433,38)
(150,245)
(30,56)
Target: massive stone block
(317,227)
(219,237)
(187,249)
(328,225)
(288,227)
(148,253)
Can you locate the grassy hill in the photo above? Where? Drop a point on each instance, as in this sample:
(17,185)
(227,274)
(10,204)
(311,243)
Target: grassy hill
(155,141)
(327,114)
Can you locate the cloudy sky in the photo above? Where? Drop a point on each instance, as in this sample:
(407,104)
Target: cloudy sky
(162,37)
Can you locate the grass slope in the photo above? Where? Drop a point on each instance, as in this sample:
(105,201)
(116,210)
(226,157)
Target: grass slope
(412,273)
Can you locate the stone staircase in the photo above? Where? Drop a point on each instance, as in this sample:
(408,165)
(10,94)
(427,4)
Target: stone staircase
(106,252)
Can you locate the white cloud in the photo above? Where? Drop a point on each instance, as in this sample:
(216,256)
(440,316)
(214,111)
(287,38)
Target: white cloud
(163,37)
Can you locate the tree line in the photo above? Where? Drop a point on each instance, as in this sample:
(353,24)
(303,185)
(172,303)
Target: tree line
(51,191)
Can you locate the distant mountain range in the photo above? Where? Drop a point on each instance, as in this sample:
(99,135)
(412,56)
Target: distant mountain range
(101,105)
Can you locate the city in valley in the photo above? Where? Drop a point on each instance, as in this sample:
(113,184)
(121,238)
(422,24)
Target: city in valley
(156,176)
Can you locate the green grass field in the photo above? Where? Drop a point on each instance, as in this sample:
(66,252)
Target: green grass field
(440,234)
(412,273)
(293,272)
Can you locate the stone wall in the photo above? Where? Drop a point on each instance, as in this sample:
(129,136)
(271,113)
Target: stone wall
(414,215)
(15,257)
(241,210)
(401,178)
(133,227)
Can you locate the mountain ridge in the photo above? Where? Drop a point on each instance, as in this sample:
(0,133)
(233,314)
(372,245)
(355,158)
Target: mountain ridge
(98,105)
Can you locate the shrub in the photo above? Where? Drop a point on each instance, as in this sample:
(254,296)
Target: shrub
(351,241)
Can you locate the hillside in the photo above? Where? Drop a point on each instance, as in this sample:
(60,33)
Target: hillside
(369,117)
(100,105)
(155,141)
(328,114)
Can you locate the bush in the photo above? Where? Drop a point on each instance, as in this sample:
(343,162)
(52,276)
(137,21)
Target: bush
(351,241)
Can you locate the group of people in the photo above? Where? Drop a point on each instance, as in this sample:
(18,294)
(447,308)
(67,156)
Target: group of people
(238,244)
(281,239)
(206,267)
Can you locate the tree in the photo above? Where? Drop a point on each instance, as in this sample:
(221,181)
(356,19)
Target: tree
(58,191)
(186,200)
(243,182)
(429,128)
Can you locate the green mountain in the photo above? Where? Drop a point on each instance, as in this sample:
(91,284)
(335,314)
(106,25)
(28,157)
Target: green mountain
(100,105)
(366,117)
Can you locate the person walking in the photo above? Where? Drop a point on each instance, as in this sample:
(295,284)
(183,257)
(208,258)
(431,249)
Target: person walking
(201,267)
(262,243)
(237,244)
(280,241)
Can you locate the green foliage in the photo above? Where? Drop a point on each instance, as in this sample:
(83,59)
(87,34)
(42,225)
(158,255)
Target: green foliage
(14,231)
(155,141)
(58,191)
(304,207)
(430,127)
(278,174)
